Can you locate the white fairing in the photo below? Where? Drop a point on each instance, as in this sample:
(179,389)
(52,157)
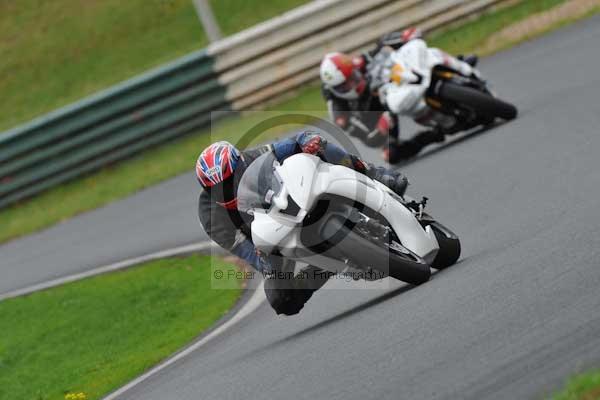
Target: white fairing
(298,174)
(405,100)
(268,232)
(305,178)
(415,55)
(342,181)
(407,97)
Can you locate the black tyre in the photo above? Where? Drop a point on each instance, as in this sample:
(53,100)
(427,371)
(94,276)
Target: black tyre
(449,247)
(364,252)
(484,104)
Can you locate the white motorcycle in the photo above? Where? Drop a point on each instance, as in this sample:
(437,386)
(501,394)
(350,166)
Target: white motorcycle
(341,221)
(436,89)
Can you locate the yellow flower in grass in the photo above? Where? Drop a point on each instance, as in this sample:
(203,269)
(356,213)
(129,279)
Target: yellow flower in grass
(76,396)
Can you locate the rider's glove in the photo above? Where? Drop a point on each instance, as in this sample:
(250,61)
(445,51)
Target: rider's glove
(245,250)
(390,178)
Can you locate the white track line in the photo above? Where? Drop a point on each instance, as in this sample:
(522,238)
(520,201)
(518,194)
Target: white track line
(108,268)
(252,304)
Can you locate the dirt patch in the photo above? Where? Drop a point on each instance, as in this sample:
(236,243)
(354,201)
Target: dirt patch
(538,23)
(593,394)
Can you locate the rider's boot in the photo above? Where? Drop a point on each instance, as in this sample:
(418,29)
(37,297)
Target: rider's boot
(403,150)
(393,179)
(434,135)
(410,148)
(470,59)
(287,293)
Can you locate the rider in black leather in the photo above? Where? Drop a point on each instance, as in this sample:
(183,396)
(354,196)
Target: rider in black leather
(357,108)
(217,209)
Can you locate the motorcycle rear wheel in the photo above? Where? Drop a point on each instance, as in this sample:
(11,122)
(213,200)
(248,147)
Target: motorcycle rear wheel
(484,104)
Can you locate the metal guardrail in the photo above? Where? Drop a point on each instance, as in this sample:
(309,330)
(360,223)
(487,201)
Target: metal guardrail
(286,51)
(141,112)
(235,73)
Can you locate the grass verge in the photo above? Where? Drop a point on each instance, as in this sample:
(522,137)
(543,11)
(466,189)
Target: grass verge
(484,36)
(582,387)
(95,335)
(469,37)
(163,162)
(55,52)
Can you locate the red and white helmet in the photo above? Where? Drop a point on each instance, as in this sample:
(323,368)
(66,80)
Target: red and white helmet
(411,33)
(342,76)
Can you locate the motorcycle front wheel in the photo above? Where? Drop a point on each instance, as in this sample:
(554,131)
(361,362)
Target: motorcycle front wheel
(360,248)
(448,241)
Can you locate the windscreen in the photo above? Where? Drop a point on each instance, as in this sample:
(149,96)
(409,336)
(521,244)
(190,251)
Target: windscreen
(258,184)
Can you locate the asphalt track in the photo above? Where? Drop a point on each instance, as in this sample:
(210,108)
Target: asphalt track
(518,314)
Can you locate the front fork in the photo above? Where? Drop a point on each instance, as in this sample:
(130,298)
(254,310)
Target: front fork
(418,207)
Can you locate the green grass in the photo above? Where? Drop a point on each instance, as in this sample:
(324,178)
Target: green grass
(582,387)
(467,38)
(559,24)
(55,52)
(235,15)
(163,162)
(95,335)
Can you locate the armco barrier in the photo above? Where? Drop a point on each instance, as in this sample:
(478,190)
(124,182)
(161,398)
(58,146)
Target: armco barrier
(286,51)
(111,125)
(236,73)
